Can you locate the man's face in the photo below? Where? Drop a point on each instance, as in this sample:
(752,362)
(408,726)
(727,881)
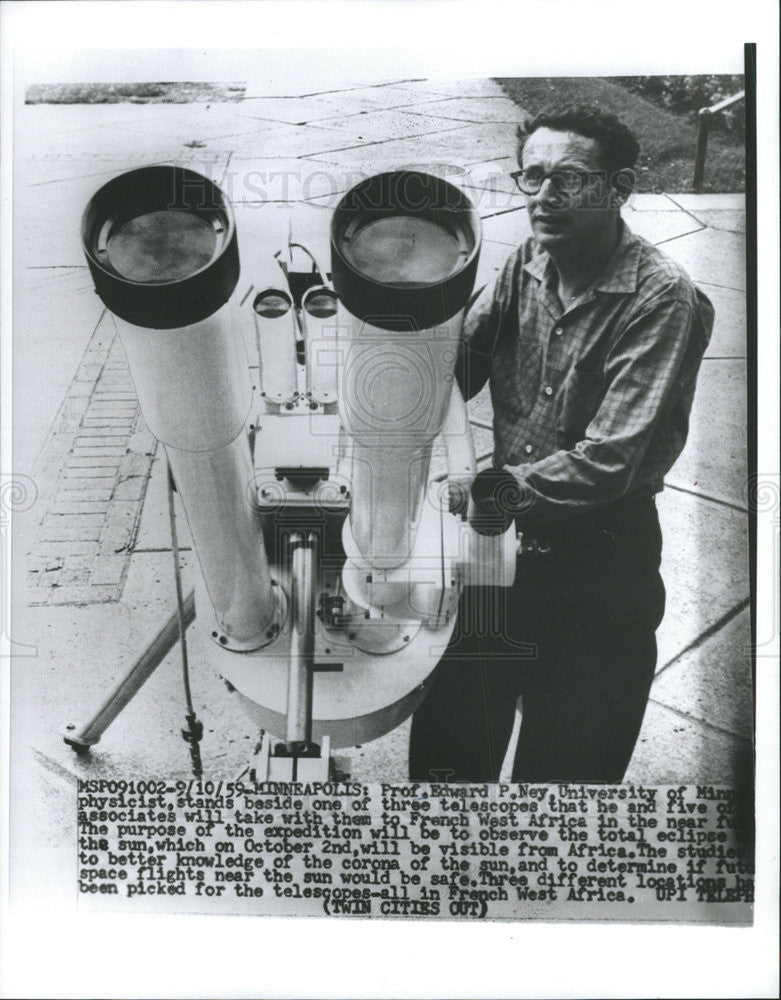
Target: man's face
(559,217)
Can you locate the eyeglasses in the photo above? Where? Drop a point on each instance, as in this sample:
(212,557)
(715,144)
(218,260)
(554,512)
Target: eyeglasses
(567,182)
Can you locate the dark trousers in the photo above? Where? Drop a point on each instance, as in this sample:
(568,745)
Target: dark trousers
(573,638)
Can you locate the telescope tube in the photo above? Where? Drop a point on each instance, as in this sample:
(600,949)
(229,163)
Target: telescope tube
(161,247)
(275,328)
(318,309)
(404,252)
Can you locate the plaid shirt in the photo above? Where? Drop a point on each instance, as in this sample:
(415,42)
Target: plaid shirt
(591,402)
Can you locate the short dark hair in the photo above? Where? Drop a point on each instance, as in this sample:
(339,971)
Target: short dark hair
(618,145)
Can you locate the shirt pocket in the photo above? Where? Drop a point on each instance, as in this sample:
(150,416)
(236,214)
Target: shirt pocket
(515,376)
(580,398)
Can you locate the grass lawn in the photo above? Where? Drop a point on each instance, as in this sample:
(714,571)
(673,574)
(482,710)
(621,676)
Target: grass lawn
(667,140)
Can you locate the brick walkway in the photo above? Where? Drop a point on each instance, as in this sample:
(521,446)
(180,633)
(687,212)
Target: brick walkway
(102,451)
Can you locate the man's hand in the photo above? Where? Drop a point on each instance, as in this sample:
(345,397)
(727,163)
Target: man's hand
(496,498)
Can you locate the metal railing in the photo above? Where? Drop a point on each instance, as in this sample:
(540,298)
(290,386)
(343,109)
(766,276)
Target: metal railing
(703,130)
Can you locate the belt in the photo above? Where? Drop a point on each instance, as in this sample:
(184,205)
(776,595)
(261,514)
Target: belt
(599,524)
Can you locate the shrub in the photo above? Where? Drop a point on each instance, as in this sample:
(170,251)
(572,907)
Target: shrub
(667,138)
(688,94)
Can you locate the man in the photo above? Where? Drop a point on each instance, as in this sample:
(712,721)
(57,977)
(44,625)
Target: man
(591,340)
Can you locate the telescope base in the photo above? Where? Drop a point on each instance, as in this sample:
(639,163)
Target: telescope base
(274,764)
(357,696)
(264,638)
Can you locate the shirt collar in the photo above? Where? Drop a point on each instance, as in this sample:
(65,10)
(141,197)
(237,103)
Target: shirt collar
(619,275)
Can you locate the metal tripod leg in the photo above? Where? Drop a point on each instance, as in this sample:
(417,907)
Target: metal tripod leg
(82,738)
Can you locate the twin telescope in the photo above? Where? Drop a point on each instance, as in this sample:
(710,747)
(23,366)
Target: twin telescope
(331,554)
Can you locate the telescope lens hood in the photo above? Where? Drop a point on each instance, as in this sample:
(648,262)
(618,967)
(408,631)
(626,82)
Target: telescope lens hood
(404,250)
(161,246)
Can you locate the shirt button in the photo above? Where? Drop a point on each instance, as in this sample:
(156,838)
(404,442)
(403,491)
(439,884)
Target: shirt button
(528,449)
(558,331)
(548,390)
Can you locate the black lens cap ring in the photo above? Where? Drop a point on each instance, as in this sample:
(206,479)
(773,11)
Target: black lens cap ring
(161,246)
(404,250)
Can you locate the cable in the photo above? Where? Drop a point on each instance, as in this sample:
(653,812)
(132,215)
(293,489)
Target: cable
(193,734)
(323,274)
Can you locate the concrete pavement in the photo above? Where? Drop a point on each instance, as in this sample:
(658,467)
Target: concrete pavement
(92,553)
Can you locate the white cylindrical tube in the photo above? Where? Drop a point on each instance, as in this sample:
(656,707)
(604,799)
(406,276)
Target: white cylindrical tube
(161,247)
(319,312)
(388,484)
(192,382)
(215,488)
(195,393)
(303,589)
(393,397)
(275,326)
(404,251)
